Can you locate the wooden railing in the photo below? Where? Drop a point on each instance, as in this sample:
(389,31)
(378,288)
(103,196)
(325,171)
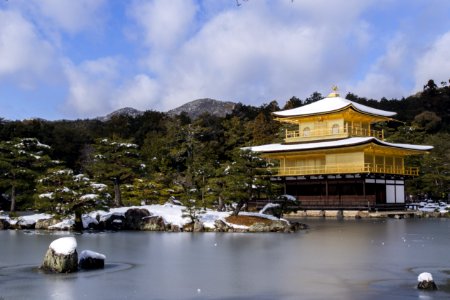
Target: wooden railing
(346,169)
(346,131)
(354,201)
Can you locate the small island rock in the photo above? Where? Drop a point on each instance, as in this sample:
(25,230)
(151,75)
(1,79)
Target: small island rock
(426,282)
(61,256)
(90,260)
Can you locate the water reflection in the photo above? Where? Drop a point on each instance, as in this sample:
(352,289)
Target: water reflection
(349,259)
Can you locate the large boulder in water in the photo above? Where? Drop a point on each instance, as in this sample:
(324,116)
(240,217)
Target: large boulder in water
(61,256)
(426,282)
(134,217)
(91,260)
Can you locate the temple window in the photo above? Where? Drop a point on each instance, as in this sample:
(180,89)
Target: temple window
(335,129)
(306,131)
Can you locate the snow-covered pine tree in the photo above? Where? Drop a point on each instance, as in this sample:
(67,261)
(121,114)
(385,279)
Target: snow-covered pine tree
(61,192)
(115,162)
(21,160)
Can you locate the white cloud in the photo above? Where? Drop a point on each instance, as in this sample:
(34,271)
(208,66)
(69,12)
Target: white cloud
(91,86)
(434,64)
(164,25)
(386,75)
(25,59)
(186,49)
(140,93)
(96,88)
(71,15)
(254,55)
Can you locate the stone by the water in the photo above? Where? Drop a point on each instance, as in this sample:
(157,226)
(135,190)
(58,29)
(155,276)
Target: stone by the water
(426,282)
(61,256)
(90,260)
(134,218)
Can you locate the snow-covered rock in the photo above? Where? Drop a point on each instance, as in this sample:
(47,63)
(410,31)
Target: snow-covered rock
(66,224)
(29,222)
(61,256)
(426,282)
(91,260)
(65,245)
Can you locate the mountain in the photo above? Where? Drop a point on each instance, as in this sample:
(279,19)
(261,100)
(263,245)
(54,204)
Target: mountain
(198,107)
(127,111)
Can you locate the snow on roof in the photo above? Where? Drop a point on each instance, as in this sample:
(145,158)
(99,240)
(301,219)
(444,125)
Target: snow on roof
(65,245)
(331,104)
(332,144)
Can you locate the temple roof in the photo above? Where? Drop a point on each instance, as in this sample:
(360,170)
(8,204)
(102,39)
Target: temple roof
(270,148)
(331,104)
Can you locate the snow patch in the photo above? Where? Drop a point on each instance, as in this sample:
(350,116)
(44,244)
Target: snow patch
(32,219)
(63,225)
(91,254)
(268,206)
(64,246)
(46,195)
(89,197)
(425,276)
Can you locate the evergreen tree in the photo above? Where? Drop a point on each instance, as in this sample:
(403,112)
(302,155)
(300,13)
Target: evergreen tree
(21,160)
(115,162)
(247,177)
(294,102)
(60,191)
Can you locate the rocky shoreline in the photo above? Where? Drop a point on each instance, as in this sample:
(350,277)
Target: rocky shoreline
(140,219)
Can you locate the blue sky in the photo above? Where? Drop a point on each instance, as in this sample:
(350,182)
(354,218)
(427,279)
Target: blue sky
(65,59)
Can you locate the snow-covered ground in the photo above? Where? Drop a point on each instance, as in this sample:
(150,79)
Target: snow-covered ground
(430,206)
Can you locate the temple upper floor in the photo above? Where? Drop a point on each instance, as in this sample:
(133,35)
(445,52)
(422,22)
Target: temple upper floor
(332,129)
(332,118)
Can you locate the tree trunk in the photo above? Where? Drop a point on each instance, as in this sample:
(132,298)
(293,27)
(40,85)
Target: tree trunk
(78,226)
(117,195)
(13,198)
(239,207)
(221,204)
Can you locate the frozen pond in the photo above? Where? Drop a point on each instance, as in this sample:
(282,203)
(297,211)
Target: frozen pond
(351,259)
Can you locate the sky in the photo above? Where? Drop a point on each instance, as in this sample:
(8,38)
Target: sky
(65,59)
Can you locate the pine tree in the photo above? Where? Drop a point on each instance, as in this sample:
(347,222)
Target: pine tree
(115,162)
(61,192)
(21,160)
(246,178)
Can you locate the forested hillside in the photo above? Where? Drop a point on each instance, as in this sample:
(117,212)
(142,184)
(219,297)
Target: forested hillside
(153,156)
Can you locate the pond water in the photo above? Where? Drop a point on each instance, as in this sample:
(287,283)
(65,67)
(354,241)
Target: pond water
(348,259)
